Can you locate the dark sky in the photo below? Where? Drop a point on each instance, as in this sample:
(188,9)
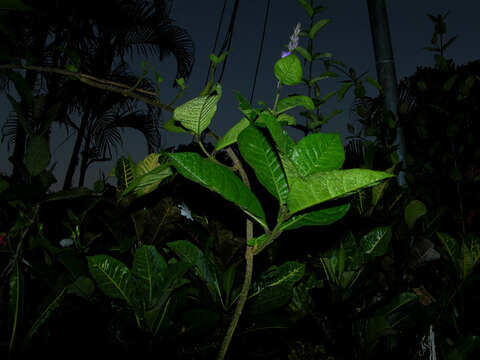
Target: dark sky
(347,37)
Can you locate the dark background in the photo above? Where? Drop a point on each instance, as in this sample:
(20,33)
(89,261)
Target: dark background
(347,37)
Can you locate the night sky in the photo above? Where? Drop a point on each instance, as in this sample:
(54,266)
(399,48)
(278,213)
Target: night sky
(348,37)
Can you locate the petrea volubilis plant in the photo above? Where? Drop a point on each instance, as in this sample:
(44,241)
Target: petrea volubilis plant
(300,175)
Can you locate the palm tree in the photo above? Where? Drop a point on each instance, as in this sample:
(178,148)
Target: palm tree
(98,39)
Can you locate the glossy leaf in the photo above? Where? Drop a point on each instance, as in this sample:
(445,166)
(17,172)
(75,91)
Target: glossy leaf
(145,184)
(288,70)
(413,211)
(191,254)
(149,268)
(316,218)
(376,241)
(318,152)
(294,101)
(260,155)
(111,276)
(231,136)
(282,140)
(274,288)
(328,185)
(219,179)
(197,113)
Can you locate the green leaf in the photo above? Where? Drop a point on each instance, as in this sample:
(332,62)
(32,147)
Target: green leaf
(285,119)
(125,171)
(15,302)
(376,242)
(197,113)
(328,185)
(316,218)
(219,179)
(451,246)
(82,287)
(318,152)
(288,70)
(327,55)
(37,156)
(191,254)
(145,184)
(274,287)
(317,26)
(294,101)
(245,107)
(304,52)
(306,6)
(413,211)
(450,82)
(343,90)
(45,313)
(401,300)
(260,155)
(149,268)
(174,125)
(474,248)
(231,136)
(325,75)
(111,275)
(374,82)
(282,140)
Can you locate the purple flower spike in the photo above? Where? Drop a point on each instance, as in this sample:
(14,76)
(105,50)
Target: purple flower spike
(293,41)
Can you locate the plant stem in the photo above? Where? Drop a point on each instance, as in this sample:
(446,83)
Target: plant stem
(242,299)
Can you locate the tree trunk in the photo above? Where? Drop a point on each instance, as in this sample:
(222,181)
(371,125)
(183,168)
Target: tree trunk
(67,184)
(386,72)
(84,161)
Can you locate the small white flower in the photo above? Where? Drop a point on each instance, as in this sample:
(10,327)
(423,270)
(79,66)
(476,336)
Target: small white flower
(66,242)
(185,211)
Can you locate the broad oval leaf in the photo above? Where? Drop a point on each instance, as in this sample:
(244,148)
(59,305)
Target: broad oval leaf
(318,152)
(288,70)
(294,101)
(375,243)
(260,155)
(197,113)
(274,287)
(149,268)
(191,254)
(111,275)
(316,218)
(219,179)
(413,211)
(328,185)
